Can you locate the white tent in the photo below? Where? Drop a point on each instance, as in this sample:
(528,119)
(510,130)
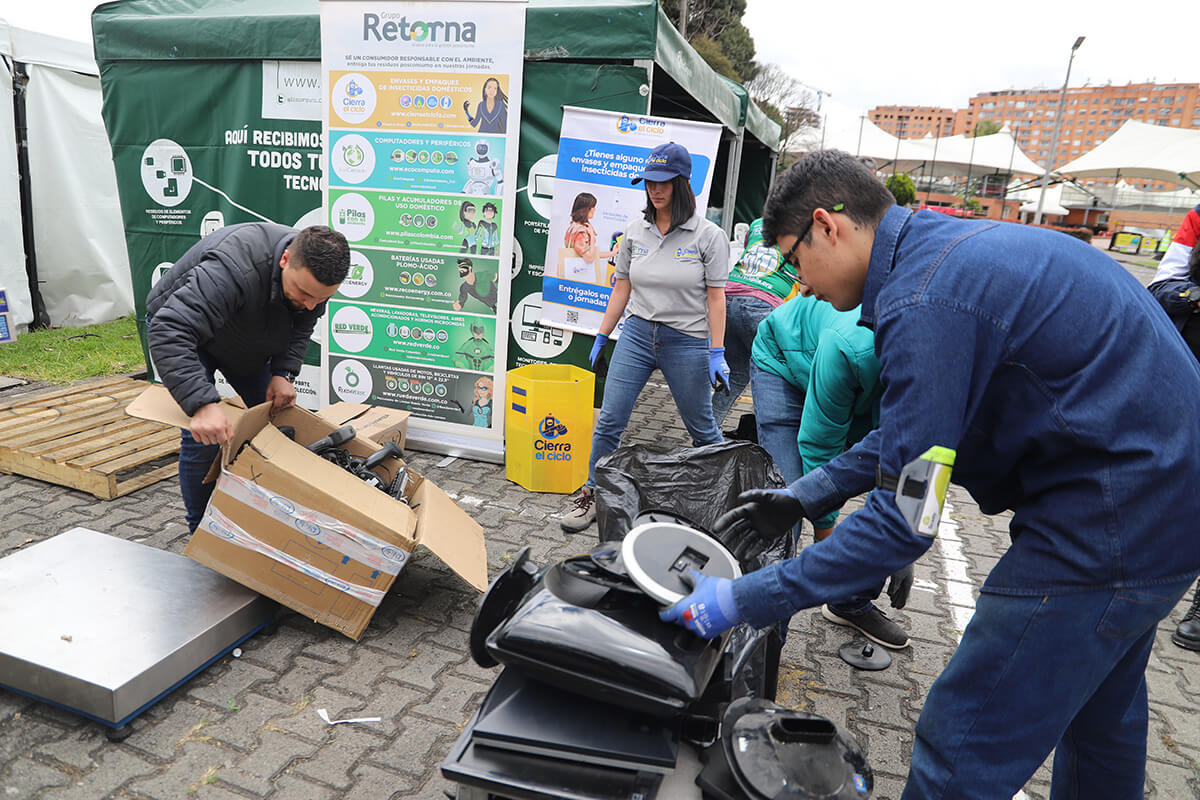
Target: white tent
(79,242)
(1052,205)
(945,156)
(1141,150)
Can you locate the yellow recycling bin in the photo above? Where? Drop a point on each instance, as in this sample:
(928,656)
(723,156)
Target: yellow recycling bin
(548,427)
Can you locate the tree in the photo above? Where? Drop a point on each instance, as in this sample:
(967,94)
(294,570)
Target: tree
(902,188)
(795,107)
(738,46)
(706,17)
(712,54)
(986,127)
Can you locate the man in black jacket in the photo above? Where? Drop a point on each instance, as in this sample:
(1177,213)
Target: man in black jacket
(243,300)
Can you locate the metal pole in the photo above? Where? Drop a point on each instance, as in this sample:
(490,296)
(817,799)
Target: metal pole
(1008,178)
(858,150)
(1062,101)
(933,164)
(683,15)
(970,163)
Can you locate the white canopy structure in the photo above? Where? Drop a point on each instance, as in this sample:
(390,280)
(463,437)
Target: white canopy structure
(1051,206)
(79,241)
(1140,150)
(941,157)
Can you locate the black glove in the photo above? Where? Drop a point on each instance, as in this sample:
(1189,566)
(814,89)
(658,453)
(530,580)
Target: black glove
(899,585)
(762,517)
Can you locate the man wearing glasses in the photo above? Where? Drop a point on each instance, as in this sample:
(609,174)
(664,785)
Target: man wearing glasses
(1039,375)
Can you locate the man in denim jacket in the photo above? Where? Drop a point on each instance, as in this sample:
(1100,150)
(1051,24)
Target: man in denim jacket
(1041,377)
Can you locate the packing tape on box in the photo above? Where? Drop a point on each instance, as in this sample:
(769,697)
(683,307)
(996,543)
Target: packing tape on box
(322,528)
(221,526)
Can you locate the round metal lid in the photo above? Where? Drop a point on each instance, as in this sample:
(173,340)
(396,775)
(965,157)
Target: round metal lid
(658,556)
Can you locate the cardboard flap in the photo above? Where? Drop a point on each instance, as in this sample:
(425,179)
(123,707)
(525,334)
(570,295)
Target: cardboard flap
(157,405)
(451,534)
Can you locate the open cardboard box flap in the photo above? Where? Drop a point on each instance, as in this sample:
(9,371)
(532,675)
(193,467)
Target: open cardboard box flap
(380,425)
(157,405)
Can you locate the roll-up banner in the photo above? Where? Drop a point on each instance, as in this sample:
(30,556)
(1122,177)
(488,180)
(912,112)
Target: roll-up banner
(599,155)
(421,135)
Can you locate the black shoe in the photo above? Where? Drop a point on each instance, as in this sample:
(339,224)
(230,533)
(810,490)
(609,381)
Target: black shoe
(1187,635)
(872,623)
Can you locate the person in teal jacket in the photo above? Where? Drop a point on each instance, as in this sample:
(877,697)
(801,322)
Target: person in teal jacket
(814,378)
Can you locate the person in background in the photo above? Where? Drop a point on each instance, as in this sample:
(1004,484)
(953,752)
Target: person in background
(1034,371)
(1176,286)
(758,283)
(815,383)
(670,276)
(244,301)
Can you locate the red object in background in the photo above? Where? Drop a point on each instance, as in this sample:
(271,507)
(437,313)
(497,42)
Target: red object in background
(951,210)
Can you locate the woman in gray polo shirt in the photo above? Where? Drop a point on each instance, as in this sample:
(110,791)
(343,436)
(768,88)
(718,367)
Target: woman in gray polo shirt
(670,275)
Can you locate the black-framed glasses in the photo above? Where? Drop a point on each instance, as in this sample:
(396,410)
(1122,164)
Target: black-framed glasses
(788,257)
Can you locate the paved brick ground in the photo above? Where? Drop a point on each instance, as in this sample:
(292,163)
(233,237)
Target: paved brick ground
(247,727)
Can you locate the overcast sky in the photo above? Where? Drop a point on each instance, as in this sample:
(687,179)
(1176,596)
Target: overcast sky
(866,53)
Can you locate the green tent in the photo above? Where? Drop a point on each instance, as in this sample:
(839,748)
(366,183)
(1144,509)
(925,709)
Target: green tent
(199,72)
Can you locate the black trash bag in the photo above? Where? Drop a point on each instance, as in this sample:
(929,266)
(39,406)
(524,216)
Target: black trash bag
(698,483)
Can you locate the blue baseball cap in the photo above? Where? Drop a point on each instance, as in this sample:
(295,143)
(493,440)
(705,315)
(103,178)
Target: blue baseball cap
(665,162)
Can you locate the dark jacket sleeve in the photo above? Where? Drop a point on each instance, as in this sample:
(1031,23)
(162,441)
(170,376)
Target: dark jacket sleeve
(1177,297)
(302,328)
(210,293)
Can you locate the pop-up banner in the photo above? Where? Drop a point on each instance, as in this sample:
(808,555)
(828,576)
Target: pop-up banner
(599,154)
(421,123)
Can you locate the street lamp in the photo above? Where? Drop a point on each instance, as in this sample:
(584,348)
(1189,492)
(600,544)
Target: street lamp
(1062,101)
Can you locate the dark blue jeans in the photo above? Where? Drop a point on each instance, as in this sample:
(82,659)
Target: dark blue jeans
(742,315)
(778,406)
(643,347)
(196,459)
(1032,674)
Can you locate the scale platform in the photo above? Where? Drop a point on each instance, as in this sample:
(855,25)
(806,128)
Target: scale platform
(105,627)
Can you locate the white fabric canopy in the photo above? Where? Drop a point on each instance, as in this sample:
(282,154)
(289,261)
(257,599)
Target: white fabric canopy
(1140,150)
(1028,196)
(946,156)
(82,263)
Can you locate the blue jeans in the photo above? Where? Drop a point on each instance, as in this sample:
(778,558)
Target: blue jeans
(683,359)
(742,315)
(778,407)
(196,459)
(1037,673)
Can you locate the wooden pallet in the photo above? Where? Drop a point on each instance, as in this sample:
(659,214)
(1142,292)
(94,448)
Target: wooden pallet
(80,436)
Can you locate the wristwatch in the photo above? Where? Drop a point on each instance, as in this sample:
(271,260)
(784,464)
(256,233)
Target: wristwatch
(285,373)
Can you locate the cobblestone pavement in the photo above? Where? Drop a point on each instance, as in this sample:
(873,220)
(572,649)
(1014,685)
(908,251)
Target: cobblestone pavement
(247,727)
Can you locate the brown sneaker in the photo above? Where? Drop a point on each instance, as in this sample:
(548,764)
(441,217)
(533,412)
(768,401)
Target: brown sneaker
(582,512)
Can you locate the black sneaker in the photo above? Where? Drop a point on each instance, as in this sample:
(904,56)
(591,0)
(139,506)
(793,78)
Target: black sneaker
(1187,635)
(582,512)
(872,623)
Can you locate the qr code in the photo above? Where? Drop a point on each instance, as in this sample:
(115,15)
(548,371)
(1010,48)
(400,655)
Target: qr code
(572,315)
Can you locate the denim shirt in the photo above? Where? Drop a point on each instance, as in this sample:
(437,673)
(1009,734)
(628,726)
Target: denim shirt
(1066,392)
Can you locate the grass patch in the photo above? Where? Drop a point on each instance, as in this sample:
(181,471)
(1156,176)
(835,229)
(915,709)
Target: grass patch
(65,355)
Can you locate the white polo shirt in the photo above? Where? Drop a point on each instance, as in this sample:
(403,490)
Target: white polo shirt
(669,275)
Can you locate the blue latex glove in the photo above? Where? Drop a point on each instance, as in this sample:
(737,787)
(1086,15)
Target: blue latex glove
(597,349)
(761,517)
(709,610)
(718,369)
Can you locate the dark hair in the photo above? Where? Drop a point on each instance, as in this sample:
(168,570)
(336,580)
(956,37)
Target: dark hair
(487,205)
(462,212)
(683,203)
(501,97)
(467,264)
(1194,264)
(584,202)
(822,180)
(323,252)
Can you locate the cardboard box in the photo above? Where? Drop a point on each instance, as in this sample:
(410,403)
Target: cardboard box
(307,533)
(380,425)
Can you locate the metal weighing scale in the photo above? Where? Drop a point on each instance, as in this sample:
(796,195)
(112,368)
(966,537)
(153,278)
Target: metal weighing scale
(106,628)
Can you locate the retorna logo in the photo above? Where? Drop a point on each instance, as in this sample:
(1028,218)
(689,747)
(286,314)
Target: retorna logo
(388,28)
(628,124)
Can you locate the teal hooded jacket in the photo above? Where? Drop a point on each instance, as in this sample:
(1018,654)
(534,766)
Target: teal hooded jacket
(826,355)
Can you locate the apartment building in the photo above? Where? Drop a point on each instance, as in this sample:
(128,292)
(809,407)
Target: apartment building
(914,122)
(1090,115)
